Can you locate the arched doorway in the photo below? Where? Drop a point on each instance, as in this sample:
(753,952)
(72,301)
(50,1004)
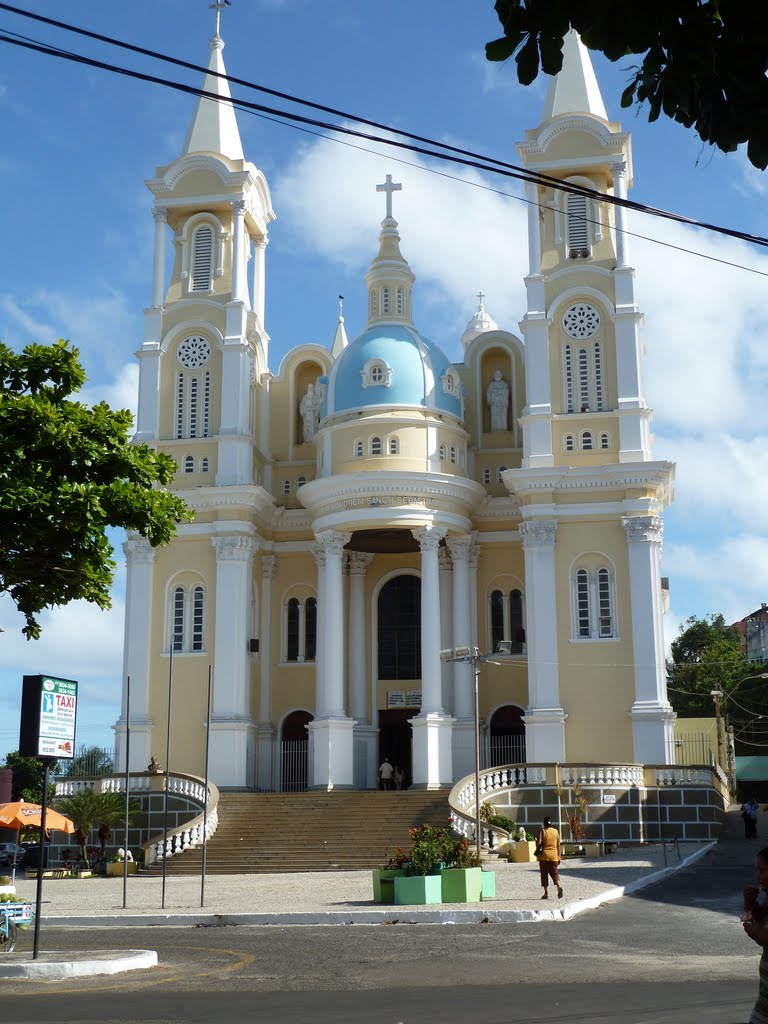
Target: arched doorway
(294,752)
(506,737)
(399,665)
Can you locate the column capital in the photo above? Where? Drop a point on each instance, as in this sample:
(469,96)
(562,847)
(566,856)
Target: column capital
(539,533)
(318,552)
(429,537)
(618,168)
(643,529)
(160,214)
(332,542)
(444,560)
(139,551)
(460,547)
(268,567)
(474,556)
(238,206)
(358,562)
(234,548)
(260,241)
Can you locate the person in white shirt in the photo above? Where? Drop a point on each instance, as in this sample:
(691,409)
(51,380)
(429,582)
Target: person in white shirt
(386,771)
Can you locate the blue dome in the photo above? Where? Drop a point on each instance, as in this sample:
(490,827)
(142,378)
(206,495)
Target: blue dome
(391,364)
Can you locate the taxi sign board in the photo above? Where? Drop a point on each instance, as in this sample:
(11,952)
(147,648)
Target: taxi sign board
(48,717)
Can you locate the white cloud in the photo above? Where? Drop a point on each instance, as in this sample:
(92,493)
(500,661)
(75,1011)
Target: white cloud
(457,239)
(121,393)
(732,573)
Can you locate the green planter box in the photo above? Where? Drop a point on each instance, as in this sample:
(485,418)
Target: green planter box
(461,885)
(488,891)
(383,884)
(416,889)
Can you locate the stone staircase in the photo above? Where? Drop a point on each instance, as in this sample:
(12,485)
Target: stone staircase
(283,832)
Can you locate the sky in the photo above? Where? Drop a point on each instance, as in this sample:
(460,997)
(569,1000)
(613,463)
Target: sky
(78,144)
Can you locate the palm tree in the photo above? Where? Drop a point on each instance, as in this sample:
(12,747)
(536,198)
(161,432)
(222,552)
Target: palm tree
(89,810)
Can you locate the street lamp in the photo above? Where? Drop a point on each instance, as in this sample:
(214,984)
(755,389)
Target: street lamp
(472,656)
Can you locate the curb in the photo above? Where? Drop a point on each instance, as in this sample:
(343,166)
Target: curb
(52,967)
(485,914)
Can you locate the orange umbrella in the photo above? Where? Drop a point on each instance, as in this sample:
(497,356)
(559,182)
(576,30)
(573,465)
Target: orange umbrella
(19,814)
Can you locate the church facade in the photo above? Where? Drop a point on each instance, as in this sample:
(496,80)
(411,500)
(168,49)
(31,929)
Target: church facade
(366,505)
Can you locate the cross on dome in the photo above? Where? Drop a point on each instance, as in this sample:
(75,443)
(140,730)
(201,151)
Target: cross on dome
(480,296)
(218,6)
(389,187)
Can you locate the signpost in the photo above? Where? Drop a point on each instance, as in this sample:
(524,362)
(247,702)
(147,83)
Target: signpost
(48,725)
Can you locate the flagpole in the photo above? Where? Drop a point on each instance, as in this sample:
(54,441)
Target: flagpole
(167,774)
(127,784)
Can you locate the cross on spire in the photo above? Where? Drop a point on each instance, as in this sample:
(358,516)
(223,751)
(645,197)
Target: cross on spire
(480,296)
(389,187)
(218,6)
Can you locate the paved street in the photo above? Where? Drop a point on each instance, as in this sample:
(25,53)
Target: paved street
(673,953)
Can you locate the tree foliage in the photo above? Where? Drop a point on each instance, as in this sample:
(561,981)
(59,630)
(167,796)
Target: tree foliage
(89,810)
(704,61)
(93,760)
(28,776)
(67,472)
(706,656)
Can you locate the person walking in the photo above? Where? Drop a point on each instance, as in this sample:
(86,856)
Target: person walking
(548,853)
(754,923)
(749,814)
(386,771)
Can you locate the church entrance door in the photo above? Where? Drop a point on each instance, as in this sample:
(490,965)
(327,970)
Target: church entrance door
(395,739)
(294,752)
(507,737)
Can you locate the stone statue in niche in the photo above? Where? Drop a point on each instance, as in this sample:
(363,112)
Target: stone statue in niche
(497,398)
(309,410)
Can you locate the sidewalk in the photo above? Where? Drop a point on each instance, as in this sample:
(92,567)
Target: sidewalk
(345,897)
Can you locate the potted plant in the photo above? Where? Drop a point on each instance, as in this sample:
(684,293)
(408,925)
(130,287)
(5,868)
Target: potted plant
(118,861)
(425,884)
(462,880)
(383,878)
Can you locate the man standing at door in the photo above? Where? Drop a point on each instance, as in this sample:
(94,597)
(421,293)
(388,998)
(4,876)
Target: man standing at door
(385,773)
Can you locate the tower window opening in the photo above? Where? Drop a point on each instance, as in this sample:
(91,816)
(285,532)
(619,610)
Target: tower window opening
(372,303)
(577,228)
(180,406)
(401,302)
(202,259)
(385,300)
(443,453)
(189,464)
(582,602)
(207,404)
(375,446)
(598,361)
(568,369)
(193,391)
(454,454)
(394,446)
(594,604)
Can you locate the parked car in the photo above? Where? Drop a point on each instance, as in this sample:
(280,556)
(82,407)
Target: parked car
(10,853)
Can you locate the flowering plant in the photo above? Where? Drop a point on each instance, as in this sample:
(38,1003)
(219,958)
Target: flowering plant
(398,860)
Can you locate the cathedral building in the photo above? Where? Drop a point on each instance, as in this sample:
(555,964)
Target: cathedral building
(361,507)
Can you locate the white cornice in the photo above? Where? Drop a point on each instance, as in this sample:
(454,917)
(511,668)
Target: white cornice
(249,496)
(506,507)
(625,476)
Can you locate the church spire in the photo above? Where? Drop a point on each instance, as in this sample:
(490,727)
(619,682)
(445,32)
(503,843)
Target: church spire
(574,89)
(214,126)
(340,340)
(389,278)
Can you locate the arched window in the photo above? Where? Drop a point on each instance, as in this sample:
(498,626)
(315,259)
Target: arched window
(497,619)
(577,228)
(399,628)
(502,469)
(193,404)
(377,374)
(187,619)
(486,475)
(394,446)
(372,303)
(286,487)
(375,446)
(583,378)
(443,453)
(568,378)
(385,300)
(203,465)
(507,622)
(301,629)
(593,601)
(301,481)
(401,301)
(516,628)
(358,451)
(189,464)
(454,454)
(605,441)
(202,259)
(568,442)
(597,356)
(586,440)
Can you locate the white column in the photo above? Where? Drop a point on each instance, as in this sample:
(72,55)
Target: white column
(139,642)
(544,717)
(160,215)
(619,171)
(432,755)
(232,725)
(259,278)
(652,716)
(332,732)
(265,731)
(537,425)
(463,672)
(358,697)
(474,561)
(148,415)
(446,625)
(534,228)
(320,699)
(238,250)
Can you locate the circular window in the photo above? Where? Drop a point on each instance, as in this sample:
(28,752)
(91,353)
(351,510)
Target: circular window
(581,320)
(193,353)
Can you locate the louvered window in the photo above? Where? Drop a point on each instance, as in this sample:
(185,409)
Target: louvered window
(202,259)
(385,300)
(180,406)
(198,618)
(178,619)
(598,359)
(582,603)
(568,367)
(206,432)
(578,230)
(193,407)
(604,602)
(583,380)
(401,302)
(372,304)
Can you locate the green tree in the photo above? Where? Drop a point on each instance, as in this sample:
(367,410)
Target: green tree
(28,774)
(703,64)
(67,472)
(89,810)
(706,656)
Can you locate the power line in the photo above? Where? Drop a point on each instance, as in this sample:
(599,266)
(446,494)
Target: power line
(475,160)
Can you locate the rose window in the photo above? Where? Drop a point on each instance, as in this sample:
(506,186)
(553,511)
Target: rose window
(581,320)
(193,353)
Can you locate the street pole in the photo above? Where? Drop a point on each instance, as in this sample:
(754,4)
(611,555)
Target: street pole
(476,666)
(717,695)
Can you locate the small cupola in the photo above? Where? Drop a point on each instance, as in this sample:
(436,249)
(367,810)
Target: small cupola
(389,279)
(480,323)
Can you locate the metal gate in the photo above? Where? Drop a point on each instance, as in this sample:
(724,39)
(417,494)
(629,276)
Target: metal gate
(505,749)
(294,765)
